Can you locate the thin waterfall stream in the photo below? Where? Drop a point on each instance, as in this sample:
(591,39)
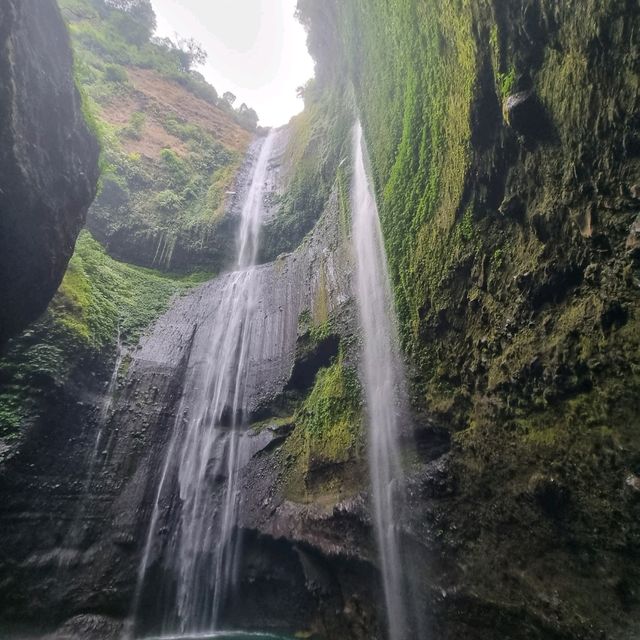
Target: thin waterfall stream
(75,532)
(384,388)
(207,448)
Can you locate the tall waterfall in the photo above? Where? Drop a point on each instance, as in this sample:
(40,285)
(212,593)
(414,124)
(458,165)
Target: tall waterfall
(384,387)
(207,448)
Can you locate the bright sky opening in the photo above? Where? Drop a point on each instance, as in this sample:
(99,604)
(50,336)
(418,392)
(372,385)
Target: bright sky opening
(257,50)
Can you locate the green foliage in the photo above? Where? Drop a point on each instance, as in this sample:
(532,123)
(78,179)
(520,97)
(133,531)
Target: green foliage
(182,129)
(147,205)
(135,127)
(99,300)
(115,73)
(100,297)
(466,225)
(168,202)
(135,19)
(332,408)
(413,66)
(119,33)
(327,425)
(497,259)
(320,138)
(506,82)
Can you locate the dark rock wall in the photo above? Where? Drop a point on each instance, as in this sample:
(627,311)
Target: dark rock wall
(48,159)
(503,143)
(82,556)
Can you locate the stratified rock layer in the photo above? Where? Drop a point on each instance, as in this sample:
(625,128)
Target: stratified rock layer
(48,159)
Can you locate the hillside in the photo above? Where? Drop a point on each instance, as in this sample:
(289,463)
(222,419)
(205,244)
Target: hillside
(171,148)
(171,155)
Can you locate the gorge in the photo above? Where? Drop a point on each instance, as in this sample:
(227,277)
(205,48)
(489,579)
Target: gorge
(370,375)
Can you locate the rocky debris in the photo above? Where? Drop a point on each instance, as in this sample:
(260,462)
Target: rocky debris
(633,482)
(48,159)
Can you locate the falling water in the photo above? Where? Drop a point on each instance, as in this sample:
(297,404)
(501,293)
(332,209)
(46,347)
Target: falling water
(207,448)
(73,535)
(383,382)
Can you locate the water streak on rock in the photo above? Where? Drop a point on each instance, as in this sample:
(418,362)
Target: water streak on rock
(207,447)
(383,383)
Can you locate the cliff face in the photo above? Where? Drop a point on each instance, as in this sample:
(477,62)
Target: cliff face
(505,149)
(172,147)
(504,146)
(48,160)
(86,559)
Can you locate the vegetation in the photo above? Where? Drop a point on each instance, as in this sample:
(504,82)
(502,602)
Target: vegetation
(319,140)
(120,32)
(327,432)
(100,300)
(165,180)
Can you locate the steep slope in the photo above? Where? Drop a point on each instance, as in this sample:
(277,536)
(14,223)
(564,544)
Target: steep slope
(504,147)
(172,156)
(172,148)
(48,160)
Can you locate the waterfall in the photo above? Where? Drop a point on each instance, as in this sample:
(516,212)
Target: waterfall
(74,535)
(207,448)
(384,388)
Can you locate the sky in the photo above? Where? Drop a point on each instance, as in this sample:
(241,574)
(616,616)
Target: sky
(257,50)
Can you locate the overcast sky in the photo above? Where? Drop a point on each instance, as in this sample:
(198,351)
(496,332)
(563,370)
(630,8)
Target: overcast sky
(257,49)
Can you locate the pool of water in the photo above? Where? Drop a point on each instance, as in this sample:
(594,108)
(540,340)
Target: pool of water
(224,635)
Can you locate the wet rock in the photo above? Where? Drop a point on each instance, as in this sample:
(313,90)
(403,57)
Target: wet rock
(592,274)
(513,207)
(432,441)
(88,627)
(552,497)
(524,113)
(633,482)
(633,240)
(48,160)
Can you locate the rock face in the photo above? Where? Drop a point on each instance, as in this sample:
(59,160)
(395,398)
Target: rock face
(510,226)
(48,159)
(85,560)
(515,262)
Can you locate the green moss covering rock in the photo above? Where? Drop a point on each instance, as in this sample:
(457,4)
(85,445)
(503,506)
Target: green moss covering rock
(101,302)
(505,151)
(327,441)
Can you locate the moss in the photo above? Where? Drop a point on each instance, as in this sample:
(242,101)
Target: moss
(415,103)
(100,296)
(318,142)
(518,327)
(320,311)
(99,301)
(327,432)
(506,82)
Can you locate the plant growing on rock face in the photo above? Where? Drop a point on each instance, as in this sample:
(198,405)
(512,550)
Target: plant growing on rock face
(175,167)
(506,82)
(115,73)
(168,202)
(136,126)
